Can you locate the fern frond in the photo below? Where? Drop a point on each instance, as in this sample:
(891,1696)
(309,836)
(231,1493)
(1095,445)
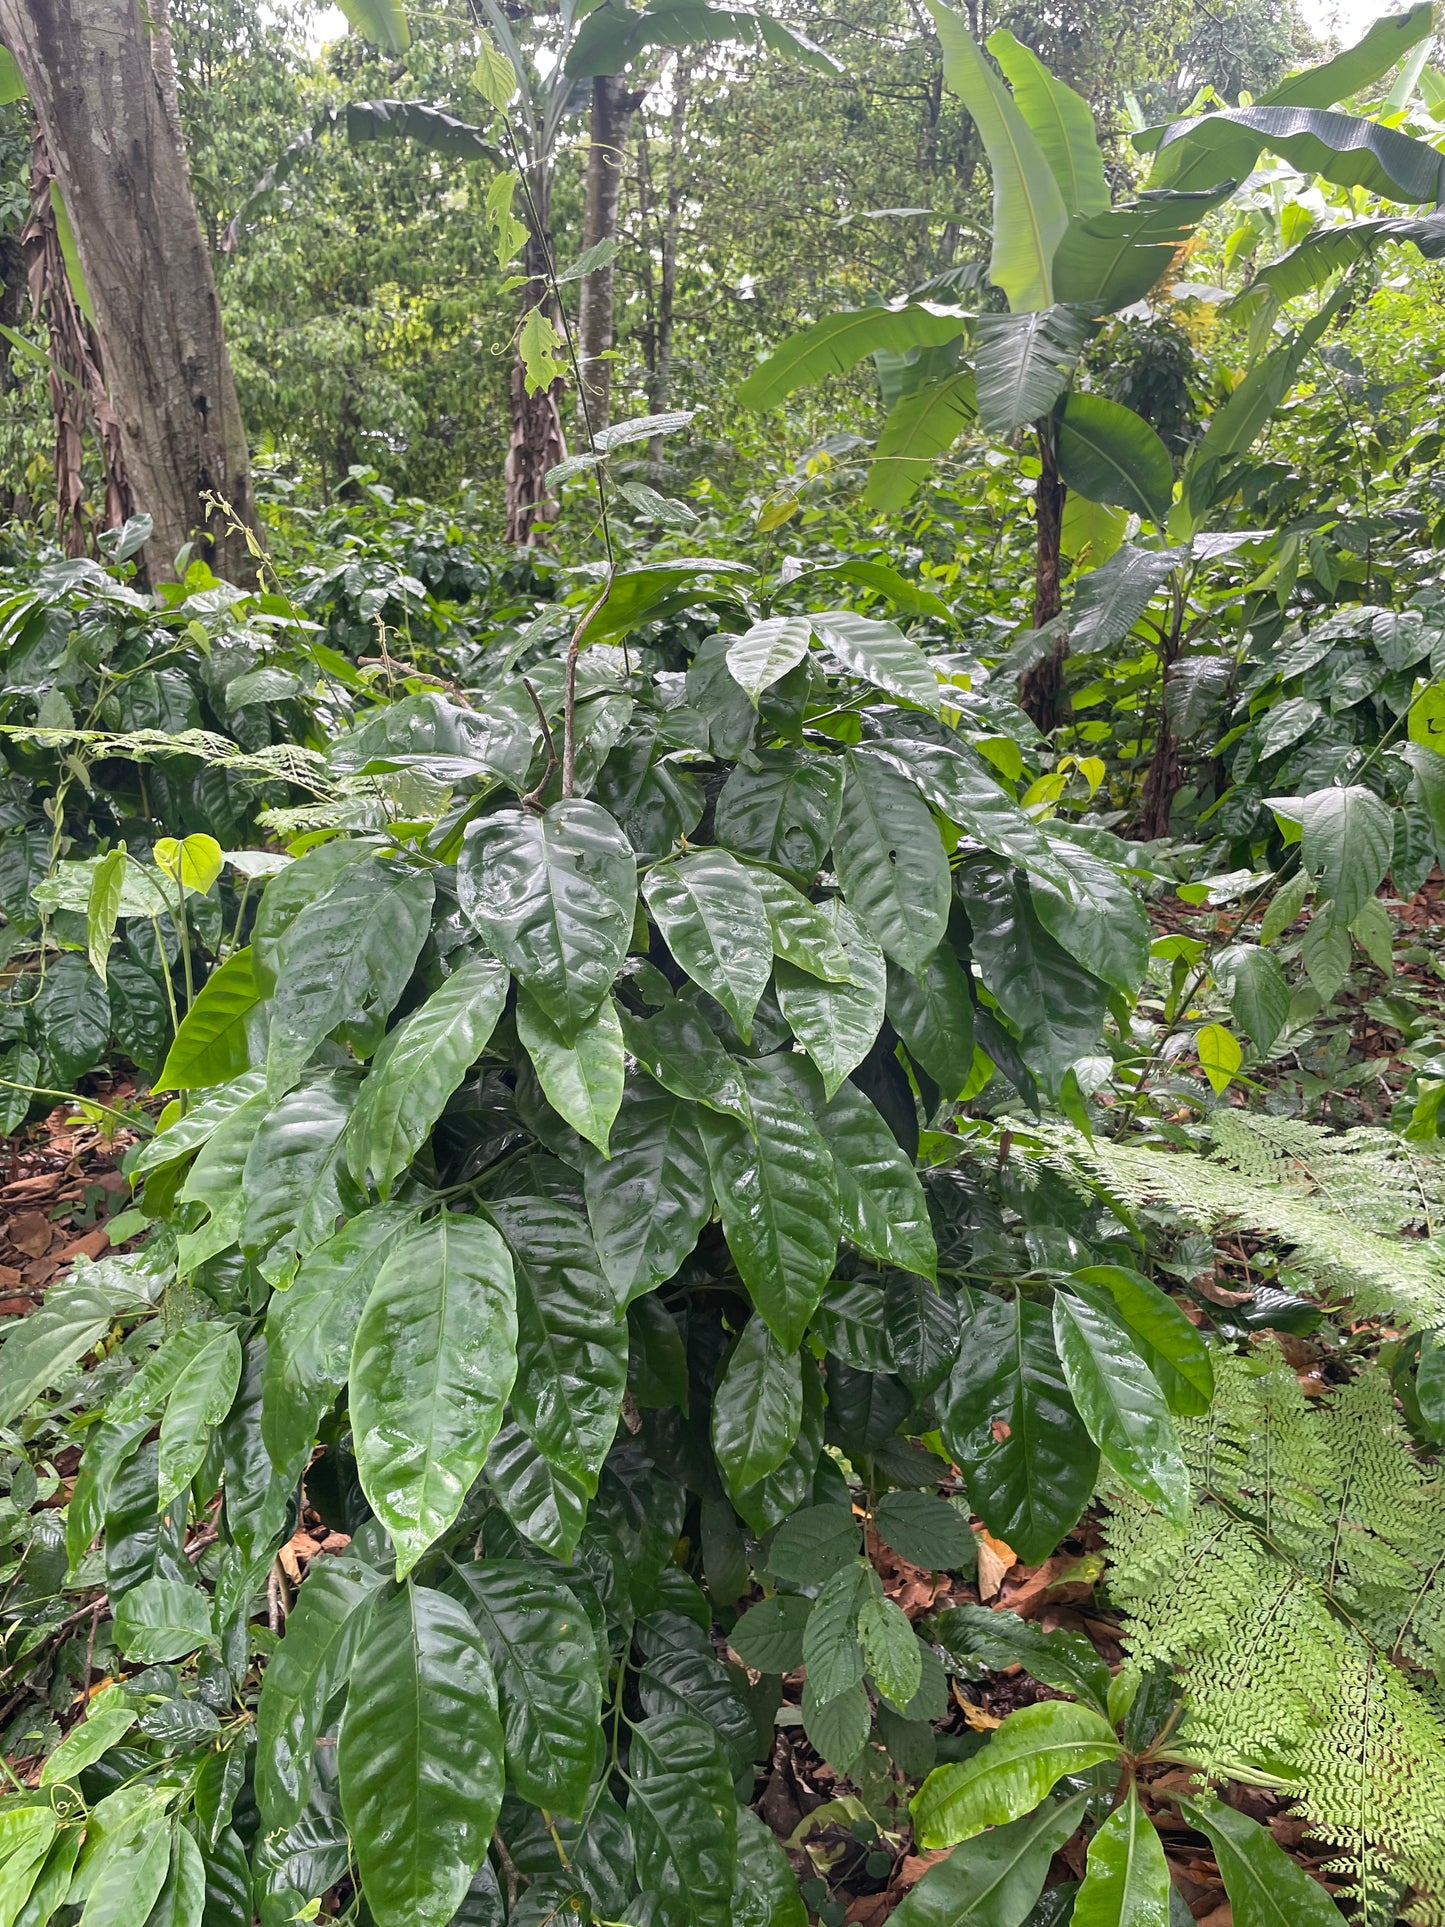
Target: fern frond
(1277,1192)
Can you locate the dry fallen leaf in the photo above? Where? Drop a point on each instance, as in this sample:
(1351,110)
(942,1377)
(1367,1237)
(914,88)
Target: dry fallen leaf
(30,1232)
(995,1559)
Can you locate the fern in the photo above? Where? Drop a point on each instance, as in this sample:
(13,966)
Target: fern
(1298,1605)
(1334,1198)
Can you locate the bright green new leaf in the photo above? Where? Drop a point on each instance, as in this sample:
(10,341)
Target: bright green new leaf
(1029,215)
(1172,1347)
(199,1400)
(194,861)
(1219,1054)
(103,908)
(84,1744)
(993,1880)
(839,341)
(1061,122)
(383,21)
(583,1080)
(1033,1749)
(1127,1882)
(213,1044)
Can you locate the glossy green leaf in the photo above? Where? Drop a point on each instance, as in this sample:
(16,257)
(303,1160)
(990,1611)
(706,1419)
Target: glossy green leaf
(1169,1344)
(581,1080)
(420,1758)
(199,1400)
(1347,150)
(25,1837)
(1110,454)
(648,1202)
(84,1744)
(802,932)
(41,1349)
(1110,599)
(684,1816)
(1029,214)
(214,1042)
(713,921)
(960,788)
(102,910)
(125,1877)
(1127,1881)
(543,1502)
(323,1634)
(544,1657)
(571,1337)
(767,651)
(432,1365)
(879,653)
(348,950)
(310,1328)
(1024,362)
(836,1023)
(1027,1756)
(785,811)
(1120,1402)
(757,1407)
(383,21)
(162,1619)
(293,1183)
(891,863)
(1348,837)
(71,1014)
(883,1210)
(680,1052)
(839,341)
(1103,925)
(1009,1421)
(933,1014)
(1266,1888)
(1257,990)
(766,1894)
(418,1067)
(994,1879)
(1061,121)
(554,896)
(890,1650)
(1110,259)
(778,1199)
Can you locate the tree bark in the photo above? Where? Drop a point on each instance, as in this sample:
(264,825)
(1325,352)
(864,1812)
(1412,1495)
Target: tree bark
(537,441)
(1041,694)
(660,389)
(612,109)
(102,86)
(75,372)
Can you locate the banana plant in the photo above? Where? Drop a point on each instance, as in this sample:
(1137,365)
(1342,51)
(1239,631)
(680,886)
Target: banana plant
(1066,258)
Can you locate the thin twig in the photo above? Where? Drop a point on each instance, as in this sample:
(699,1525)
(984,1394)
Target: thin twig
(569,708)
(532,800)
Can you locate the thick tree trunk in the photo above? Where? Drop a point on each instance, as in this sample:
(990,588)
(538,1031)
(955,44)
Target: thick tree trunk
(1041,694)
(612,109)
(102,85)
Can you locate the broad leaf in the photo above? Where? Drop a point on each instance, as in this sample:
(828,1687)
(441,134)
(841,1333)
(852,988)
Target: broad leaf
(348,951)
(420,1758)
(1343,148)
(1033,1749)
(293,1183)
(544,1657)
(571,1337)
(684,1816)
(383,21)
(836,1023)
(757,1407)
(1120,1402)
(1061,121)
(581,1080)
(1385,44)
(802,933)
(839,341)
(1348,836)
(1257,990)
(1169,1344)
(993,1880)
(891,863)
(43,1347)
(680,1052)
(921,426)
(933,1014)
(778,1199)
(1127,1883)
(925,1529)
(1109,260)
(213,1044)
(418,1067)
(785,811)
(713,921)
(879,653)
(1112,455)
(554,896)
(648,1202)
(199,1400)
(1029,214)
(1024,362)
(162,1619)
(323,1632)
(1009,1420)
(432,1364)
(769,649)
(545,1504)
(1111,599)
(1266,1888)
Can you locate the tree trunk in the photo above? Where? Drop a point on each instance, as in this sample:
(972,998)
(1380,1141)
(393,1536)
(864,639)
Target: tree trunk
(102,85)
(660,391)
(537,441)
(75,372)
(1165,776)
(612,109)
(1041,694)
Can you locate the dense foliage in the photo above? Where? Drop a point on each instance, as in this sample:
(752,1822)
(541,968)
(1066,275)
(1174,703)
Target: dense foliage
(757,1266)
